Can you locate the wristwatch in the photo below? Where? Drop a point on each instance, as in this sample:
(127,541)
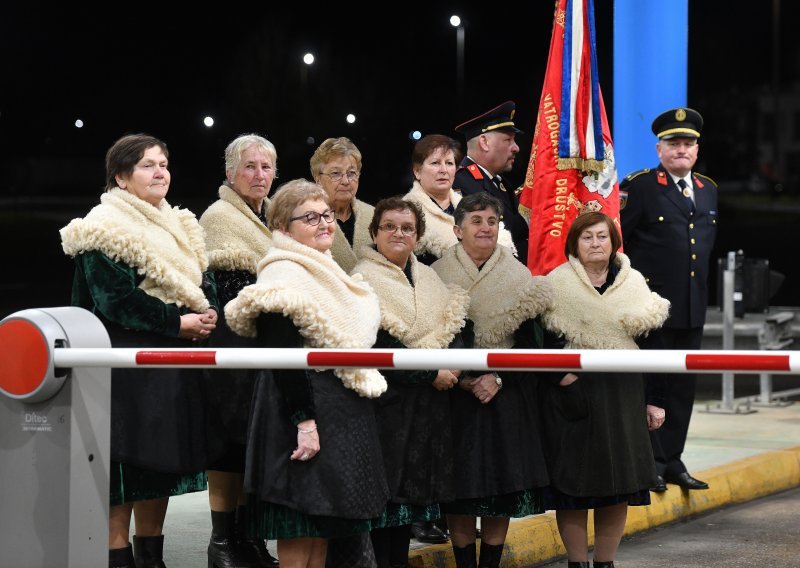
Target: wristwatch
(498,381)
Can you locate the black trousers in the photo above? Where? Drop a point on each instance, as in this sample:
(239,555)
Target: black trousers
(679,390)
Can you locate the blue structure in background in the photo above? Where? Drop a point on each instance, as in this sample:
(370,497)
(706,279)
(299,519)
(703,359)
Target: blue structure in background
(651,40)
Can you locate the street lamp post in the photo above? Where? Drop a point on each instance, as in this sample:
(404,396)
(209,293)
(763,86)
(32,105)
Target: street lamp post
(308,59)
(456,22)
(778,162)
(306,120)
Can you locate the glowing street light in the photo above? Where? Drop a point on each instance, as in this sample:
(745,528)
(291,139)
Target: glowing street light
(208,121)
(308,58)
(350,118)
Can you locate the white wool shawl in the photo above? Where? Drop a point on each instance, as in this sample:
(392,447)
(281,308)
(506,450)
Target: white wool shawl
(163,243)
(345,255)
(611,320)
(330,308)
(426,315)
(236,239)
(503,294)
(439,235)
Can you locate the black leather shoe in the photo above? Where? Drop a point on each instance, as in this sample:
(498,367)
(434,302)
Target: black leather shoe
(428,532)
(256,552)
(686,481)
(660,485)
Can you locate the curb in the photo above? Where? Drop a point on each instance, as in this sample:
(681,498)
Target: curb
(535,540)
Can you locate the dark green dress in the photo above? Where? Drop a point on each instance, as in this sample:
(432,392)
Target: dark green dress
(161,437)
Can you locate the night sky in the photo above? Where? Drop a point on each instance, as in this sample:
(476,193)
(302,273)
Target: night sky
(156,70)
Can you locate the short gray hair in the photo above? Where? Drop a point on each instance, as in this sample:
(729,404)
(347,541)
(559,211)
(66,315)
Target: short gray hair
(476,202)
(234,151)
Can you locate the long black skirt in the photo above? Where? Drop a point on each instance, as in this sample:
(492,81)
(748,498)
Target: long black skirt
(596,438)
(415,431)
(159,417)
(497,445)
(344,481)
(230,395)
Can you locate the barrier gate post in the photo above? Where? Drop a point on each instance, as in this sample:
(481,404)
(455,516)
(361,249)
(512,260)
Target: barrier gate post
(54,442)
(726,406)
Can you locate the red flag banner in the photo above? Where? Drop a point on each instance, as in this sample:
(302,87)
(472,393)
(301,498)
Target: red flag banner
(571,168)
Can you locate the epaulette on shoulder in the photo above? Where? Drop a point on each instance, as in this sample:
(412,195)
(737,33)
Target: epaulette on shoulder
(475,171)
(705,177)
(634,175)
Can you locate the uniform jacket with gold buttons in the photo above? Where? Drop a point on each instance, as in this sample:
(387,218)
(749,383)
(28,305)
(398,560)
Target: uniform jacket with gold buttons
(668,244)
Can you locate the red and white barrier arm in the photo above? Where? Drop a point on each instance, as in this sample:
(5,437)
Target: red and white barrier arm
(661,361)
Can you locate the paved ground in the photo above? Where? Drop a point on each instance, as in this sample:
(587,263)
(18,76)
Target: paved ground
(763,532)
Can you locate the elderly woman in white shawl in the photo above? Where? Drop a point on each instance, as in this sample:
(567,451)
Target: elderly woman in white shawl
(140,266)
(599,420)
(500,468)
(433,164)
(336,167)
(418,311)
(314,461)
(237,237)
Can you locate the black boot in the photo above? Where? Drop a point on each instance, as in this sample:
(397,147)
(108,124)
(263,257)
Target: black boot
(490,555)
(148,551)
(253,550)
(222,551)
(465,556)
(578,564)
(597,564)
(121,558)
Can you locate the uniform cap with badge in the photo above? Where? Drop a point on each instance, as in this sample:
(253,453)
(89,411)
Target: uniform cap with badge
(498,119)
(678,123)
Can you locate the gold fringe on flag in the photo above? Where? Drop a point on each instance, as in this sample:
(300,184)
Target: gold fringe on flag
(582,164)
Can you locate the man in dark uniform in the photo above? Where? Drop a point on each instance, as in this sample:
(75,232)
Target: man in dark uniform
(491,149)
(669,223)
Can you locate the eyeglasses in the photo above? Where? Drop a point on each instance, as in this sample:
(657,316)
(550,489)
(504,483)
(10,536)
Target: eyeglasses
(313,218)
(352,175)
(407,230)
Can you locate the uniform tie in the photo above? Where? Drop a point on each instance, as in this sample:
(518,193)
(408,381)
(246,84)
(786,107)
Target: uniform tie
(498,181)
(685,192)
